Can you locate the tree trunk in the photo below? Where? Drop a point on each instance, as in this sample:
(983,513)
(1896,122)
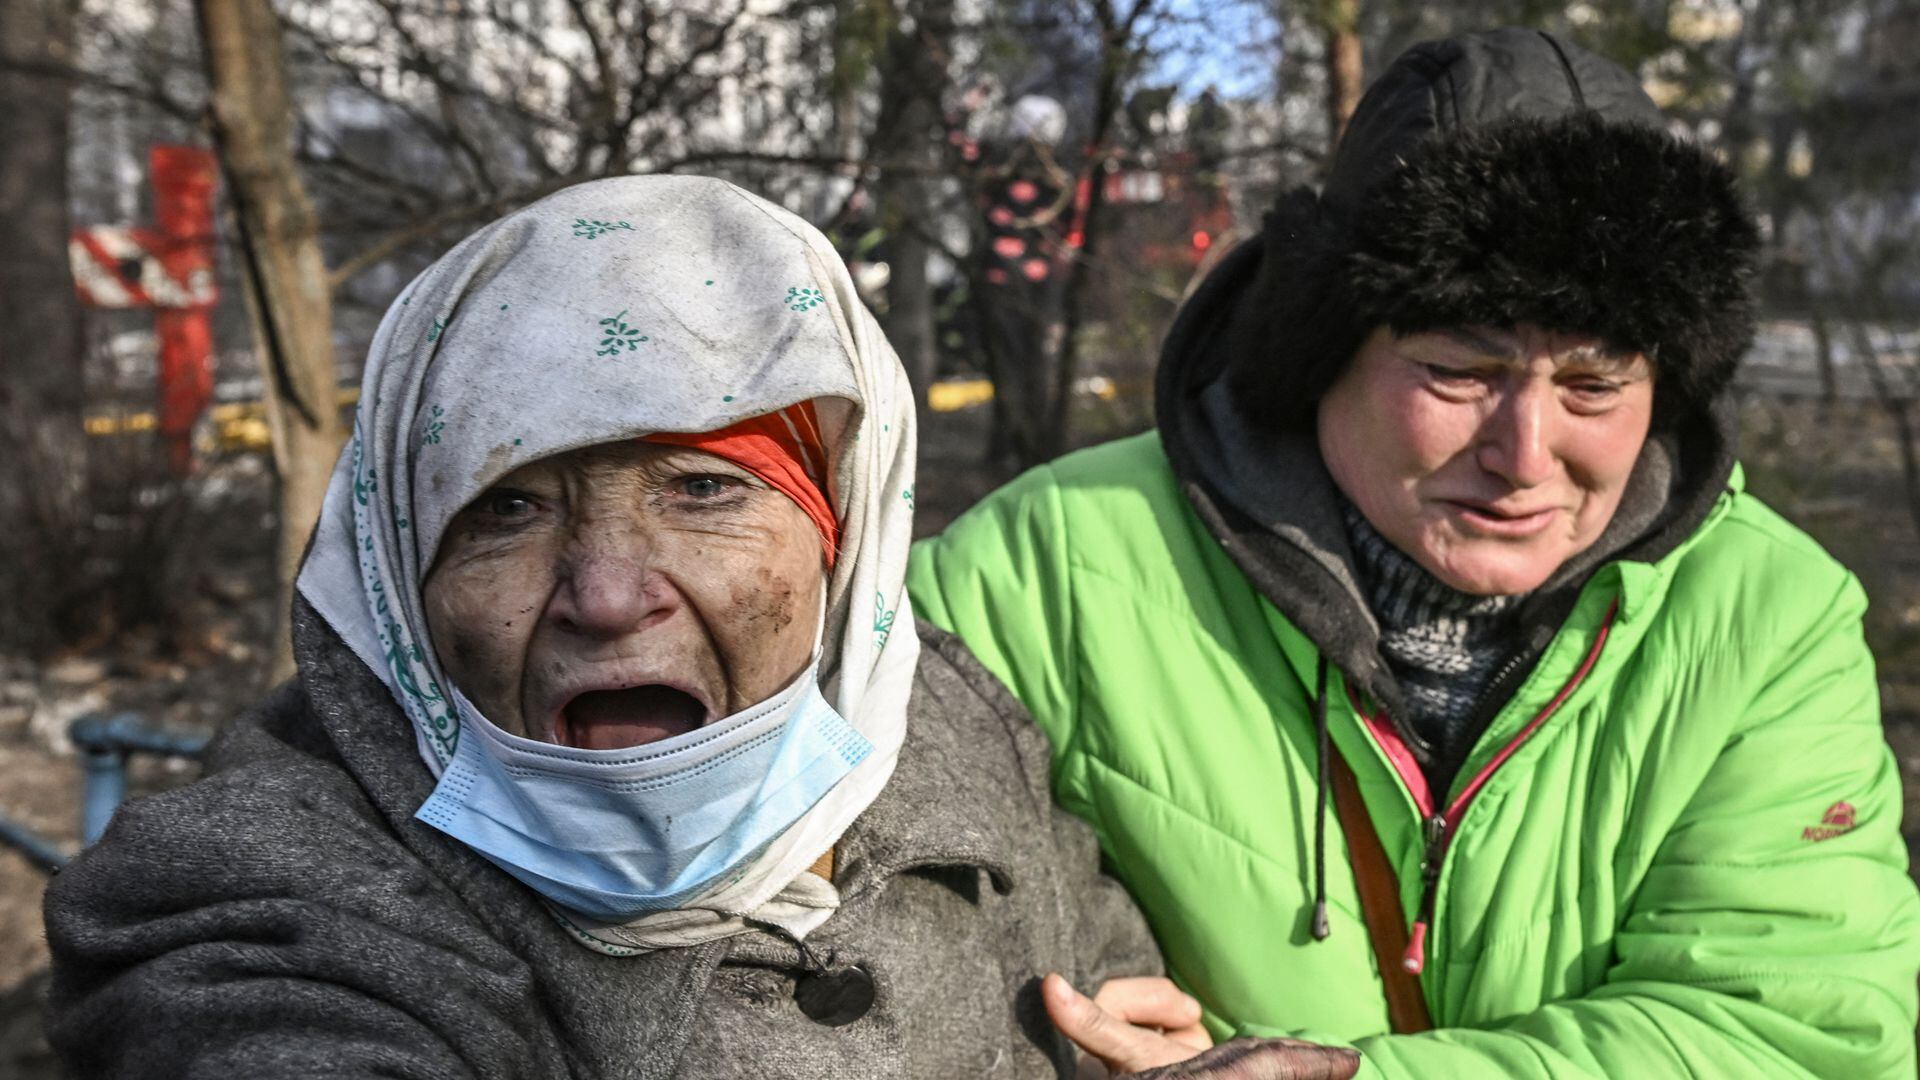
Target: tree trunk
(909,321)
(1344,66)
(844,95)
(913,76)
(1117,47)
(293,312)
(1894,402)
(42,388)
(1822,349)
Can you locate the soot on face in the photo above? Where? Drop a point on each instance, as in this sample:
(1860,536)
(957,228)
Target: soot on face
(768,608)
(600,599)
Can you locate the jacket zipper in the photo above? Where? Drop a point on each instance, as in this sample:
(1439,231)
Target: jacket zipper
(1439,826)
(1511,673)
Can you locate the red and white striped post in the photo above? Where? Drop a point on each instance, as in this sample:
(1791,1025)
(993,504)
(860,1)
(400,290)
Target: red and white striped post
(168,268)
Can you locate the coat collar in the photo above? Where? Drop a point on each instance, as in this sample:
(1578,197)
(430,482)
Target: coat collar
(941,807)
(957,798)
(963,795)
(646,1000)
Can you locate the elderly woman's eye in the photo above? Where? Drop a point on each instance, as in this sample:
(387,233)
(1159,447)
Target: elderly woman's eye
(508,503)
(704,487)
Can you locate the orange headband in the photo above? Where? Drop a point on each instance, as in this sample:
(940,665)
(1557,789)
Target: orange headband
(785,449)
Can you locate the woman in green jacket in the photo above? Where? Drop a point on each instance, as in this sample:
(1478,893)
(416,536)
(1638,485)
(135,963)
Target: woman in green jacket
(1442,516)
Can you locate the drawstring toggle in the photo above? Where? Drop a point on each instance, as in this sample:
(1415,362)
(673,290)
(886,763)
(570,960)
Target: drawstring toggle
(1415,959)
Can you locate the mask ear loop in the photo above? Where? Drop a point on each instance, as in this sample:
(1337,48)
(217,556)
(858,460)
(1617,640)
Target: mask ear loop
(819,633)
(820,625)
(808,958)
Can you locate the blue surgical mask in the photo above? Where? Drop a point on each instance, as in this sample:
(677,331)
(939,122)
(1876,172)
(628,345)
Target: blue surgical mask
(614,834)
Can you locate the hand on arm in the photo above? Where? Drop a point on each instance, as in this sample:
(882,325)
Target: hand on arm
(1129,1024)
(1148,1029)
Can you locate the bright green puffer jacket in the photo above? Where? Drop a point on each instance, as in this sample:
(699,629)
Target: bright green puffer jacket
(1675,852)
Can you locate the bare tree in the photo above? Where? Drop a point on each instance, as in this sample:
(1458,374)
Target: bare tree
(42,390)
(471,110)
(1339,22)
(914,56)
(1121,51)
(1897,403)
(1866,268)
(287,277)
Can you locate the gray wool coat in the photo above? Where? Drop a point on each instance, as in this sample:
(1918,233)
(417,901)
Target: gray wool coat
(286,916)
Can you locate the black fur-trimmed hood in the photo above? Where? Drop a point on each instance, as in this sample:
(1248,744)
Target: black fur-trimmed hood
(1495,179)
(1573,223)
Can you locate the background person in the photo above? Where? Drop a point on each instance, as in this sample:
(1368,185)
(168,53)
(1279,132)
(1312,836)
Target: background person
(1444,497)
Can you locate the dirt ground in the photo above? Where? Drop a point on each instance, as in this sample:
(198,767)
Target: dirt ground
(1832,470)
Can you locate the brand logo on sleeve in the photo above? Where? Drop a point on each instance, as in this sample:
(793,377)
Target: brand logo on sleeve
(1837,821)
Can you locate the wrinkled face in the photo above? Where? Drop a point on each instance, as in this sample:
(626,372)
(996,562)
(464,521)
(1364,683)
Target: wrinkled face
(624,593)
(1489,456)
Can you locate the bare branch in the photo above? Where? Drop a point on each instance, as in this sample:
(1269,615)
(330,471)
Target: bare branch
(400,239)
(447,88)
(152,94)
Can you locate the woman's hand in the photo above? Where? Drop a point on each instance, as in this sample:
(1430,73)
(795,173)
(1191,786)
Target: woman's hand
(1145,1028)
(1129,1024)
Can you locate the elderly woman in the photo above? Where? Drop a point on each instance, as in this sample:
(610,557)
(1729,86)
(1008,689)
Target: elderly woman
(1442,530)
(614,750)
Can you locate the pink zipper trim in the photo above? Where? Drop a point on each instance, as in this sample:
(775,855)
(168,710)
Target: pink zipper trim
(1399,754)
(1401,757)
(1480,779)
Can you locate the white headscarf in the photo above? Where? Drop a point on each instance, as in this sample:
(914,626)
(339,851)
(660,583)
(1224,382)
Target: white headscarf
(609,311)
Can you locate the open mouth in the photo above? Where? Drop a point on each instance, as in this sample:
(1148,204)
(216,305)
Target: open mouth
(634,716)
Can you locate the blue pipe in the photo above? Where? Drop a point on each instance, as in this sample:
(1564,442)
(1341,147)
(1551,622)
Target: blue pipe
(105,742)
(39,851)
(126,732)
(106,789)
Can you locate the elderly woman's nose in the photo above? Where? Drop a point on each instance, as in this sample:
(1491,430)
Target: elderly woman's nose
(611,586)
(1517,437)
